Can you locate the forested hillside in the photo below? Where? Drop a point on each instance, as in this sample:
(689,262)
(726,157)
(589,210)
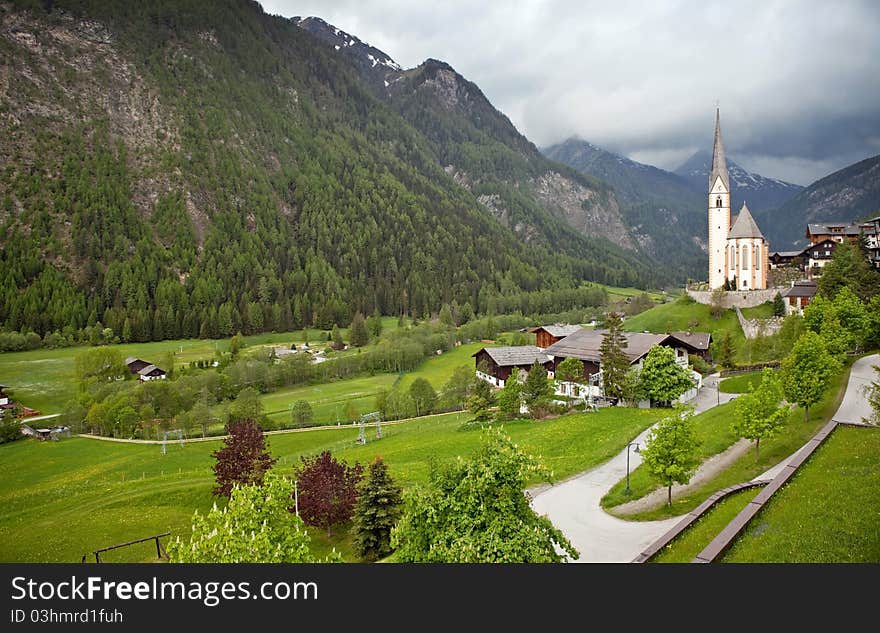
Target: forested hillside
(180,168)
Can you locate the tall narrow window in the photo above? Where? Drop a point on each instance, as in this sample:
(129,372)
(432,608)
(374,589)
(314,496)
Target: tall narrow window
(757,258)
(745,257)
(718,202)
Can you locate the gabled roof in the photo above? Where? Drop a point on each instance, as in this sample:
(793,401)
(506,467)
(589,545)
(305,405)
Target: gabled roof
(149,369)
(516,355)
(557,330)
(584,345)
(786,253)
(744,225)
(695,340)
(847,229)
(719,163)
(801,289)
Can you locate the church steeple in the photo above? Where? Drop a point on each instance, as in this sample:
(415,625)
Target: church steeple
(719,164)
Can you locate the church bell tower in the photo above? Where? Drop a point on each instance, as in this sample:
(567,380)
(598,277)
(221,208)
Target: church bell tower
(719,211)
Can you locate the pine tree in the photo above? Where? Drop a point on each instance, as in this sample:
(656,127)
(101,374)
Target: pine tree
(778,305)
(336,338)
(614,361)
(376,512)
(358,331)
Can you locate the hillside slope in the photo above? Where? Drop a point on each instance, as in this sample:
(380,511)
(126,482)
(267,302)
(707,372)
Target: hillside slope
(667,218)
(190,169)
(847,195)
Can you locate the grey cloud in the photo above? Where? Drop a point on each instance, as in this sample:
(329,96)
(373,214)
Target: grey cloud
(797,80)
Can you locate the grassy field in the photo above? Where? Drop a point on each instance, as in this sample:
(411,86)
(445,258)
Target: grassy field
(740,384)
(63,499)
(683,315)
(701,532)
(330,400)
(829,512)
(792,437)
(713,431)
(44,379)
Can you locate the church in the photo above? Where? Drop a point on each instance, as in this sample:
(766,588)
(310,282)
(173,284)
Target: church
(738,252)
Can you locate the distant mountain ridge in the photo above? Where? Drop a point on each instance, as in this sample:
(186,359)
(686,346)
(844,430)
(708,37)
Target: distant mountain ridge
(667,217)
(847,195)
(760,192)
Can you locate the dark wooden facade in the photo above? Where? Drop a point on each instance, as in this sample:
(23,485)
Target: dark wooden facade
(588,367)
(544,339)
(502,372)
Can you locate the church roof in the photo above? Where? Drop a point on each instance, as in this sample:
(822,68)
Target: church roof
(744,225)
(719,163)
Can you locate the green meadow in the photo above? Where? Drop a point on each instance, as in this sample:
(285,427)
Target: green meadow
(64,499)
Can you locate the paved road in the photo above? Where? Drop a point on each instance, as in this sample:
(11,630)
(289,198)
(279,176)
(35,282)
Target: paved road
(573,505)
(852,409)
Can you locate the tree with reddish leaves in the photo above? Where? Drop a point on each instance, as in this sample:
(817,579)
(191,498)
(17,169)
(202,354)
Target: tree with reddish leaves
(328,490)
(244,458)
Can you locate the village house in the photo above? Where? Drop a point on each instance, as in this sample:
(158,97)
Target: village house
(144,370)
(496,365)
(547,335)
(799,296)
(500,363)
(816,256)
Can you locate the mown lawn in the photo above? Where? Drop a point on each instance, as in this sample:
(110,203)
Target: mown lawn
(701,532)
(790,439)
(829,512)
(740,384)
(62,499)
(713,429)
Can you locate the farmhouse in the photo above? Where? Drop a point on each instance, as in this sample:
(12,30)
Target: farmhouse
(816,256)
(799,296)
(547,335)
(145,370)
(500,362)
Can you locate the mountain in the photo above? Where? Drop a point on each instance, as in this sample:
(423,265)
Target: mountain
(667,217)
(181,168)
(761,193)
(482,150)
(848,195)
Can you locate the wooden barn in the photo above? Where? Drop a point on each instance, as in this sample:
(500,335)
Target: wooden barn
(501,362)
(547,335)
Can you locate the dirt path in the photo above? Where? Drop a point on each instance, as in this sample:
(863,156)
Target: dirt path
(707,470)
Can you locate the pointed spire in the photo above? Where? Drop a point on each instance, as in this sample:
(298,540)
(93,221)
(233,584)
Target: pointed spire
(719,164)
(744,225)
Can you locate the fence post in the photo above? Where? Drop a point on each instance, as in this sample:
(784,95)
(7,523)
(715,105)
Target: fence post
(158,550)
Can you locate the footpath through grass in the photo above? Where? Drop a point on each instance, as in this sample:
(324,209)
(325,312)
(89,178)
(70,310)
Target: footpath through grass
(62,499)
(829,512)
(791,438)
(700,533)
(713,429)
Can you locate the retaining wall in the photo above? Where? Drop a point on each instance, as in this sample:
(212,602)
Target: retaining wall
(736,298)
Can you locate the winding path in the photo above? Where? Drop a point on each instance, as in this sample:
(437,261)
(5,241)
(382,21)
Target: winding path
(573,505)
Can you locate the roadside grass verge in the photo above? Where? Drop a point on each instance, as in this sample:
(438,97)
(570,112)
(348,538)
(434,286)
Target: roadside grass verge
(790,439)
(829,512)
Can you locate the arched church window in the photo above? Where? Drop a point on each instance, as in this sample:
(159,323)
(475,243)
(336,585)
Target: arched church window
(745,257)
(757,258)
(718,202)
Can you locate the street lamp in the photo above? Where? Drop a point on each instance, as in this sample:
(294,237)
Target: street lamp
(636,450)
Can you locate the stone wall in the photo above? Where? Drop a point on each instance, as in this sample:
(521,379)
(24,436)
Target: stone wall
(736,299)
(752,328)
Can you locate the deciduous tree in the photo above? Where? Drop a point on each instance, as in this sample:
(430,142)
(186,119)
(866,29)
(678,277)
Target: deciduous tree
(328,490)
(423,395)
(509,399)
(758,412)
(481,400)
(301,413)
(244,458)
(670,453)
(662,379)
(256,526)
(807,371)
(474,511)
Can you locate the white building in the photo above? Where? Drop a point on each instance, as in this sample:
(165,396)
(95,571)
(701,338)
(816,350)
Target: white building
(738,253)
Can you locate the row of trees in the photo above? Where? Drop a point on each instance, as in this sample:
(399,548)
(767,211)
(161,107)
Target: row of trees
(471,511)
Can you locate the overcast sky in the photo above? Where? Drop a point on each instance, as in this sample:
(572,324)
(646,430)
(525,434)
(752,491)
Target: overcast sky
(798,81)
